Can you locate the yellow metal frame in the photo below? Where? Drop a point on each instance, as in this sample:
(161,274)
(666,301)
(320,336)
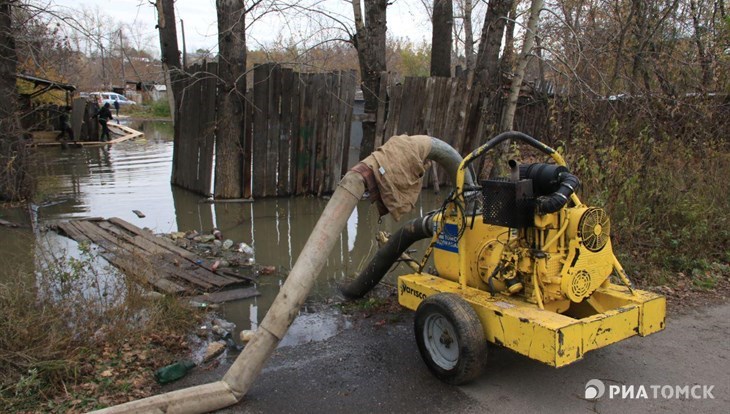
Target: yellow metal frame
(552,338)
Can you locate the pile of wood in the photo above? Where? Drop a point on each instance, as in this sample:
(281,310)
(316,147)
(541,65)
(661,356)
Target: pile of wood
(164,265)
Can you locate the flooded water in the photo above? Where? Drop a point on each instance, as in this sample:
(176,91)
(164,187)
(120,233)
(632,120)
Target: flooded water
(135,175)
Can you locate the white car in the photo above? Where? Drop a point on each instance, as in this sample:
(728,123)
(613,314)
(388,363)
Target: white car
(109,97)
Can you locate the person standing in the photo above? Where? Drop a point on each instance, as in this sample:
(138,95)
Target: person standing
(116,108)
(104,115)
(64,125)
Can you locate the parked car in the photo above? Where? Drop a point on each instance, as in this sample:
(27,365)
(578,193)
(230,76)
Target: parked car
(109,97)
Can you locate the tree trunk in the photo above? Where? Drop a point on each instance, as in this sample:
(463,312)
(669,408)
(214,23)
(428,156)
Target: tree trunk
(487,73)
(705,60)
(508,116)
(370,44)
(14,175)
(468,36)
(232,74)
(170,52)
(487,65)
(507,60)
(443,20)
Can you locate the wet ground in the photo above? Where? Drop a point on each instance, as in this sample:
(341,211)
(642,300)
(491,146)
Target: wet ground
(375,367)
(135,175)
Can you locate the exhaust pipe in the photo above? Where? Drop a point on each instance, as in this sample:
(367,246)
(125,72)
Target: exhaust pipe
(239,378)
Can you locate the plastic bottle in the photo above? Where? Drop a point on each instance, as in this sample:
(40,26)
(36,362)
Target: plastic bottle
(173,372)
(217,234)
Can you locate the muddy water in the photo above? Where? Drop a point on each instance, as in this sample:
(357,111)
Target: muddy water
(135,175)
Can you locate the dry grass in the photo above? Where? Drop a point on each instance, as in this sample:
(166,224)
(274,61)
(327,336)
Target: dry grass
(78,336)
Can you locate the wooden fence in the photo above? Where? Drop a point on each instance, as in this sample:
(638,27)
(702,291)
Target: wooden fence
(296,131)
(450,109)
(194,142)
(301,130)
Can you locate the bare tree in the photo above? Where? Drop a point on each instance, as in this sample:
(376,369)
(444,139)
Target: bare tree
(169,50)
(442,20)
(369,41)
(468,35)
(232,74)
(490,43)
(14,176)
(508,116)
(507,59)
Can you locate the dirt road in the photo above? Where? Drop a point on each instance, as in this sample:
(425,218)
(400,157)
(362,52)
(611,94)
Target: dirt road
(375,367)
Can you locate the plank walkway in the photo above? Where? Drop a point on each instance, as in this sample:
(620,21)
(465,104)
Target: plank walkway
(125,134)
(167,267)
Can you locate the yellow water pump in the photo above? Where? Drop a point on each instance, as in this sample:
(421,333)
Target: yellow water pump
(519,262)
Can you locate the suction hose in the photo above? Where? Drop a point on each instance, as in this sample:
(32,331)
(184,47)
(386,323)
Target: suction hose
(413,231)
(417,229)
(239,378)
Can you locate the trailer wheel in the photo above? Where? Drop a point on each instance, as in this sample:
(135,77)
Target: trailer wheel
(450,338)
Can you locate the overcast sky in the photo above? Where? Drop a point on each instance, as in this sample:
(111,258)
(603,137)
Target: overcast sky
(406,19)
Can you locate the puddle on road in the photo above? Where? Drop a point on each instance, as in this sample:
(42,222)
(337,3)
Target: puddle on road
(135,175)
(315,327)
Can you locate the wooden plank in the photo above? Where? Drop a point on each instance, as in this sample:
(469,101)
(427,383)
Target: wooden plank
(126,262)
(206,137)
(339,131)
(283,186)
(153,254)
(198,273)
(227,295)
(77,115)
(248,143)
(260,133)
(306,135)
(329,133)
(348,86)
(154,239)
(318,105)
(183,125)
(380,113)
(168,245)
(273,116)
(70,230)
(396,98)
(141,270)
(294,144)
(163,257)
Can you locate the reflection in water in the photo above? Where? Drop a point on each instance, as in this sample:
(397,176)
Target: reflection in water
(135,175)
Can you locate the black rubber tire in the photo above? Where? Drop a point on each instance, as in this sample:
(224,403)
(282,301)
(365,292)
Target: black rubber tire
(471,357)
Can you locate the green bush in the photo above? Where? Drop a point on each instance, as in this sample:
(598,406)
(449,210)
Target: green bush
(667,195)
(160,109)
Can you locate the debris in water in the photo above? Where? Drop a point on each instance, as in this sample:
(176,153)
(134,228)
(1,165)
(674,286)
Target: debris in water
(247,335)
(224,324)
(214,349)
(227,244)
(8,223)
(217,234)
(177,235)
(267,270)
(245,248)
(139,213)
